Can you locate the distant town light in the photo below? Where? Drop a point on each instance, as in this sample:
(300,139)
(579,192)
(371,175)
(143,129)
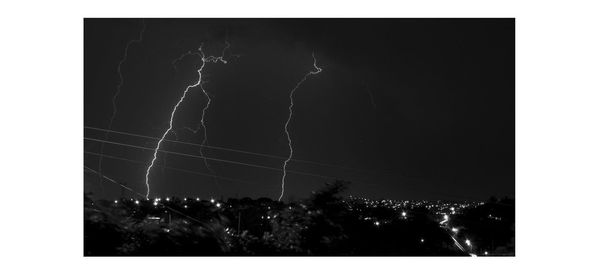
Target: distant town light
(155,203)
(212,200)
(137,202)
(485,252)
(454,229)
(403,214)
(451,208)
(168,199)
(185,206)
(445,216)
(468,242)
(422,240)
(197,199)
(116,201)
(377,223)
(218,204)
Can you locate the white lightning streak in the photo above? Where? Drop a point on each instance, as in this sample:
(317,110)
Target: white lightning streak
(287,133)
(198,83)
(118,92)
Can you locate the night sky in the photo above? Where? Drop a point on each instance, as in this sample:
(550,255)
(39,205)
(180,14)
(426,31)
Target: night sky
(412,108)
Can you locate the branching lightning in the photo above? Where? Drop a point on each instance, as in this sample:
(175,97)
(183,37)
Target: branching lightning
(118,92)
(287,133)
(205,59)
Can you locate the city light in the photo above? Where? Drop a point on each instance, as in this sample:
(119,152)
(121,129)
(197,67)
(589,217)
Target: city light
(403,214)
(197,199)
(212,200)
(454,229)
(168,199)
(137,202)
(218,204)
(185,206)
(377,223)
(155,203)
(445,219)
(116,201)
(422,240)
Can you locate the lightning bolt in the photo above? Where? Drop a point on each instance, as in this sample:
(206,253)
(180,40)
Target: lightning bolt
(370,95)
(118,92)
(287,133)
(205,59)
(202,124)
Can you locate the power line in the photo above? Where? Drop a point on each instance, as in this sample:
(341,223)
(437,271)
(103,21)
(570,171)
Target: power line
(257,166)
(168,167)
(248,164)
(459,198)
(100,174)
(213,159)
(229,149)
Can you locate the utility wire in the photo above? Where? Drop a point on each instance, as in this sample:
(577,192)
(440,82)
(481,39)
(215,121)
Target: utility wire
(168,167)
(213,159)
(229,149)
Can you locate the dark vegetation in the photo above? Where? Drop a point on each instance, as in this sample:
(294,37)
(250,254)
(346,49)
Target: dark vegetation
(324,224)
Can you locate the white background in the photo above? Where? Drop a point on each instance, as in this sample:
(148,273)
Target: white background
(557,128)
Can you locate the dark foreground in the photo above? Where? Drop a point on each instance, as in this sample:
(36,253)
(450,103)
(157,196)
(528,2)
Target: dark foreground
(323,225)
